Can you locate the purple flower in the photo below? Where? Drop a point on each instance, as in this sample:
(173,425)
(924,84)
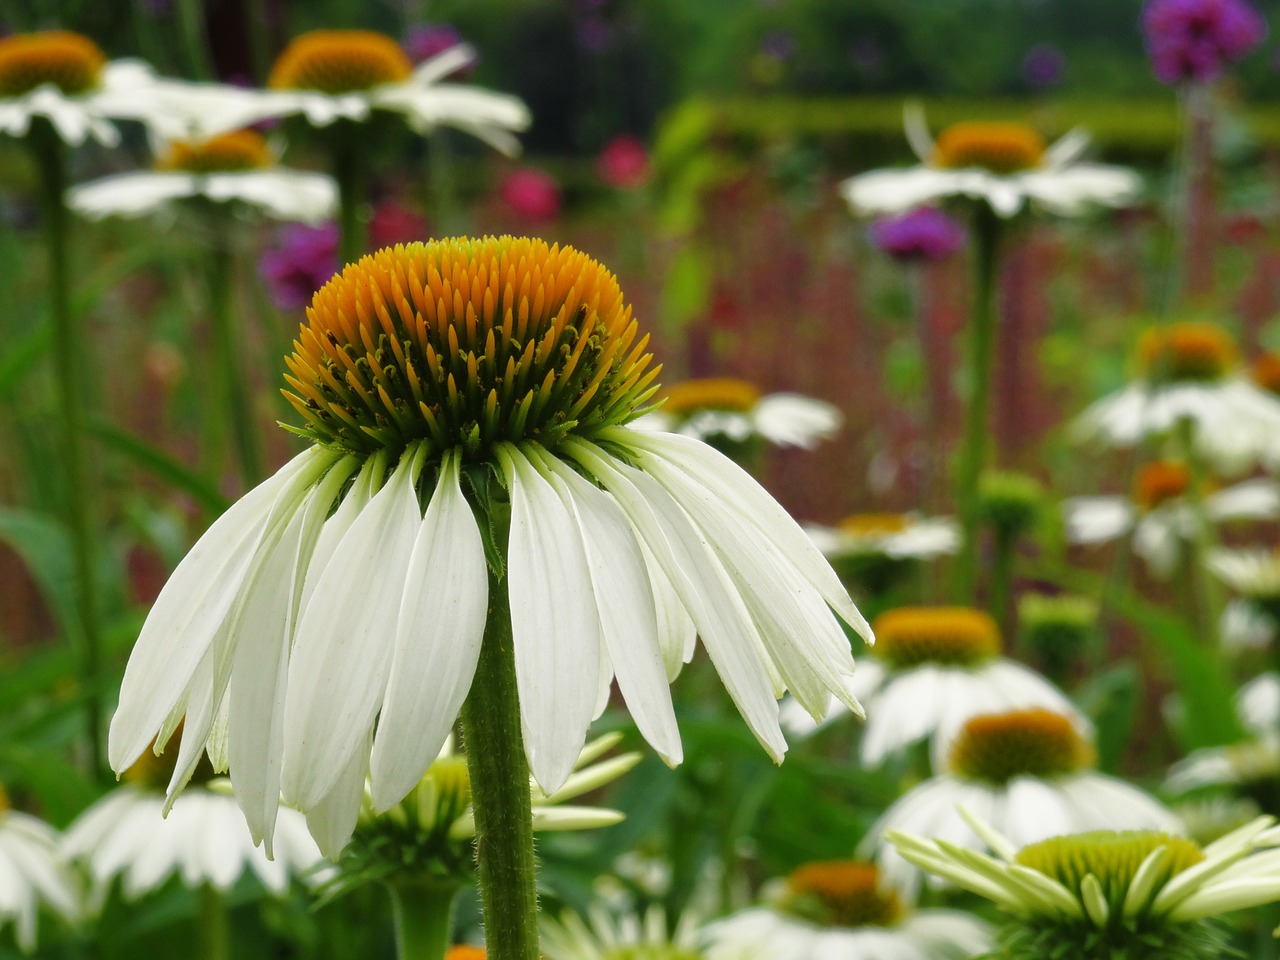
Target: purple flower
(1043,66)
(1195,39)
(924,234)
(305,260)
(423,41)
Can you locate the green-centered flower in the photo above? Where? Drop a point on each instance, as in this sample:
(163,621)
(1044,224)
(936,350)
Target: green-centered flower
(468,403)
(1140,895)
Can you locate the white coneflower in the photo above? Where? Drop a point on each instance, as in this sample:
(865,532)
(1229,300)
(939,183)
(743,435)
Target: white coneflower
(606,935)
(1007,165)
(31,875)
(468,402)
(894,536)
(1028,772)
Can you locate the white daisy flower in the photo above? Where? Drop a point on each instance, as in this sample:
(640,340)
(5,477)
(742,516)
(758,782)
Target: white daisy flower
(328,75)
(737,410)
(1238,764)
(31,875)
(1110,893)
(896,536)
(1258,703)
(1025,771)
(1243,626)
(840,909)
(1160,515)
(932,670)
(236,167)
(467,401)
(1253,573)
(608,935)
(1188,376)
(1007,165)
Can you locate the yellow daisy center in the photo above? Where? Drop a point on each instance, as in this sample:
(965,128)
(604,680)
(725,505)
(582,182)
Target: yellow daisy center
(1187,351)
(874,524)
(841,893)
(996,747)
(1159,482)
(238,150)
(1266,372)
(712,393)
(153,769)
(464,343)
(1112,857)
(998,147)
(910,636)
(71,62)
(339,61)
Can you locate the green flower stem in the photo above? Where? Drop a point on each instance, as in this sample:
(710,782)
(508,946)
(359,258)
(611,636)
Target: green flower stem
(982,341)
(234,400)
(500,791)
(348,145)
(70,367)
(214,933)
(423,909)
(1204,595)
(1002,577)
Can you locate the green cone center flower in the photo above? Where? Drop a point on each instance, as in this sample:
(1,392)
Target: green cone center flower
(339,61)
(464,343)
(959,636)
(841,893)
(997,747)
(1110,856)
(71,62)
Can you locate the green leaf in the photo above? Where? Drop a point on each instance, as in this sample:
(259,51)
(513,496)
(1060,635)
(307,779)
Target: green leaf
(45,547)
(161,465)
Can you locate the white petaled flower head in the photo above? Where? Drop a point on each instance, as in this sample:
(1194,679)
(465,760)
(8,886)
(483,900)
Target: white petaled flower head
(738,411)
(1140,894)
(1007,165)
(1253,573)
(893,536)
(931,671)
(128,837)
(844,908)
(32,876)
(1188,382)
(610,935)
(328,75)
(1026,771)
(1161,515)
(468,404)
(236,167)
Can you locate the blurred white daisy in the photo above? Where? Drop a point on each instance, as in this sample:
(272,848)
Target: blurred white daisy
(1254,573)
(1238,764)
(1258,703)
(31,875)
(324,628)
(1243,626)
(609,935)
(1160,514)
(1188,381)
(897,536)
(844,909)
(1028,773)
(236,167)
(1008,165)
(737,410)
(327,75)
(933,669)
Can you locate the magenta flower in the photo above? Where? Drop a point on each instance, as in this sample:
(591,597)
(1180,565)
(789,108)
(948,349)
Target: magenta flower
(305,260)
(423,41)
(532,195)
(623,163)
(394,223)
(924,234)
(1195,39)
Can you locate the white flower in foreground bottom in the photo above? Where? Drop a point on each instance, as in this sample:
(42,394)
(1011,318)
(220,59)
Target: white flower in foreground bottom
(1105,894)
(1160,513)
(737,410)
(931,671)
(1024,771)
(607,936)
(895,536)
(1005,164)
(328,626)
(234,167)
(843,909)
(31,875)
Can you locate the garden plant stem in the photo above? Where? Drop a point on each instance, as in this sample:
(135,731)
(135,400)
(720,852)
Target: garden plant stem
(213,923)
(423,908)
(350,172)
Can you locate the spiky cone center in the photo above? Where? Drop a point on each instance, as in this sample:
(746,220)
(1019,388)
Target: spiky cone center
(1158,482)
(1187,352)
(841,893)
(996,747)
(1266,372)
(860,525)
(710,393)
(997,147)
(226,153)
(464,343)
(154,768)
(955,636)
(340,61)
(70,61)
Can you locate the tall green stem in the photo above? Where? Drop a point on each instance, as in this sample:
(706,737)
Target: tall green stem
(348,146)
(1205,595)
(982,340)
(1002,577)
(70,371)
(213,924)
(423,910)
(500,791)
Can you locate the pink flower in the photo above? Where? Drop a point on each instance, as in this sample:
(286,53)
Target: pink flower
(305,260)
(623,163)
(394,223)
(1196,39)
(532,194)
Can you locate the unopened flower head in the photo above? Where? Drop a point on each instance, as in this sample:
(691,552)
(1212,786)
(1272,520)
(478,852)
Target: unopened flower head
(469,401)
(1056,628)
(923,235)
(1196,39)
(1010,503)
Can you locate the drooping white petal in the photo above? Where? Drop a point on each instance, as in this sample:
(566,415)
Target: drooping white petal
(438,637)
(333,819)
(281,193)
(367,483)
(130,194)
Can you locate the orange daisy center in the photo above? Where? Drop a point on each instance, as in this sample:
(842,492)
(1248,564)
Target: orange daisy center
(1187,351)
(911,636)
(71,62)
(998,147)
(1266,372)
(340,61)
(996,747)
(230,152)
(1159,482)
(711,393)
(841,893)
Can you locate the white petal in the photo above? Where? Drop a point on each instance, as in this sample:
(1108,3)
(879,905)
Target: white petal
(333,819)
(130,194)
(281,193)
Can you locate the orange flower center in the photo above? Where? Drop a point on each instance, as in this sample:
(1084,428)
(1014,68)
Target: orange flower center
(71,62)
(1159,482)
(874,524)
(1187,351)
(841,893)
(998,147)
(339,61)
(239,150)
(1266,372)
(910,636)
(465,951)
(996,747)
(712,393)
